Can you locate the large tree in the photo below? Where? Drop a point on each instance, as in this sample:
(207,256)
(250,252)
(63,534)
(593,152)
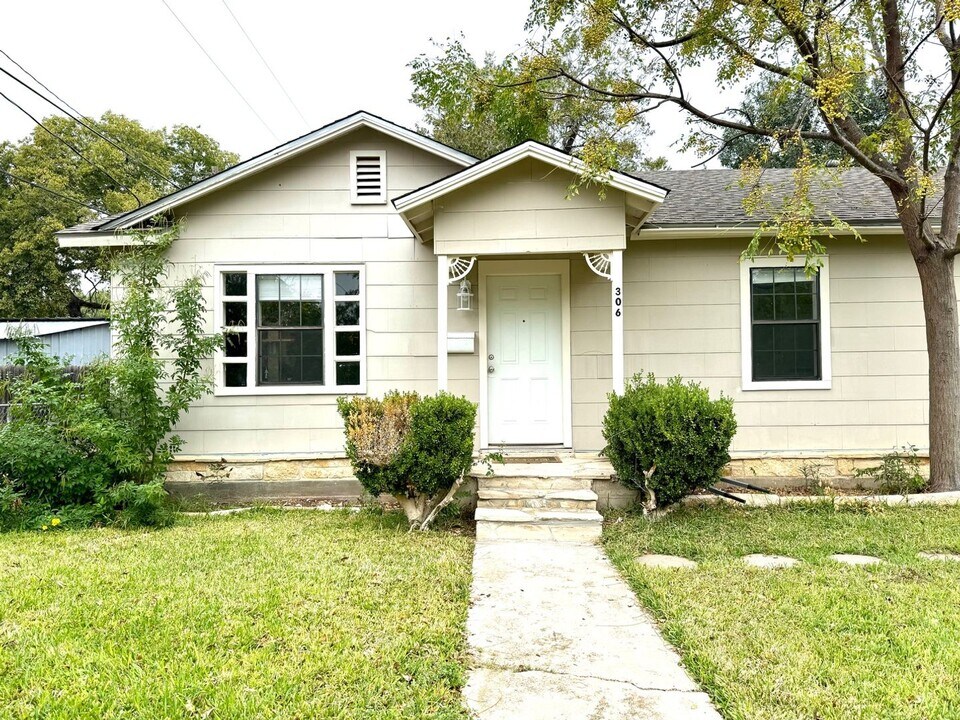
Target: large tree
(483,108)
(647,49)
(48,183)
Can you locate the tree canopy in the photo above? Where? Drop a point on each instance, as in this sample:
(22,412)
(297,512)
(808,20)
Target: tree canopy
(483,108)
(117,168)
(635,57)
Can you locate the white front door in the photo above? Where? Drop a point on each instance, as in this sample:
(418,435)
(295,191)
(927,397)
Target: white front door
(524,360)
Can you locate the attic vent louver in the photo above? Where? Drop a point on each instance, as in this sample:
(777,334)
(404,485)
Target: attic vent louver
(368,177)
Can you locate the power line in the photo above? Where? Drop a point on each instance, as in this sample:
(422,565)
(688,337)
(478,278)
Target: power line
(265,63)
(78,118)
(72,147)
(52,192)
(225,76)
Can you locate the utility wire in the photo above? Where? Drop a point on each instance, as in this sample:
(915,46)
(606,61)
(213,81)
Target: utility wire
(52,192)
(265,63)
(225,76)
(78,117)
(72,147)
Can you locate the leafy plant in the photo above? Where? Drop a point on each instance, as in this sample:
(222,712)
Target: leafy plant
(898,472)
(667,439)
(95,444)
(415,448)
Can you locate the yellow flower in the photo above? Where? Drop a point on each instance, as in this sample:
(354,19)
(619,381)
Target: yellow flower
(44,527)
(55,522)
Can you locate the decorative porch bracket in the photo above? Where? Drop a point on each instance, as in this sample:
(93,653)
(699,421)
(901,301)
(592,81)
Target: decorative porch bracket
(609,265)
(450,270)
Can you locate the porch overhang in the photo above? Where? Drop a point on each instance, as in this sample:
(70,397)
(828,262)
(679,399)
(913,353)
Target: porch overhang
(418,208)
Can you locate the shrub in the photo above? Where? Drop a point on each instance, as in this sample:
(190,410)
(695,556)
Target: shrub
(416,449)
(94,445)
(667,439)
(898,472)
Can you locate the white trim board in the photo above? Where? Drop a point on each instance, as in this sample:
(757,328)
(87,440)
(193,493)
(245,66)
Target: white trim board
(526,267)
(747,383)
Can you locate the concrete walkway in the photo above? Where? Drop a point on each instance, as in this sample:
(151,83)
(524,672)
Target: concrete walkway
(555,632)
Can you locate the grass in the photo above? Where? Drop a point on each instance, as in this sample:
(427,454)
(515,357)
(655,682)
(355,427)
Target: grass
(267,614)
(820,641)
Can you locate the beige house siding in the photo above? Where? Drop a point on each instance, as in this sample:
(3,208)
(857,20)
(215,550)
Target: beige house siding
(300,212)
(525,208)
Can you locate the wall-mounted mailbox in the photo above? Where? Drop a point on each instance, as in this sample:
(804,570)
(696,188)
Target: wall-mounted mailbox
(461,343)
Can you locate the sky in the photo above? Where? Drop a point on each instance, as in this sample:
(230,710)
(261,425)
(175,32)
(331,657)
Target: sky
(134,57)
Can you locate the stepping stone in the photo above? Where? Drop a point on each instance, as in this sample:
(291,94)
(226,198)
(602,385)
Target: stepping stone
(950,557)
(770,562)
(856,559)
(666,561)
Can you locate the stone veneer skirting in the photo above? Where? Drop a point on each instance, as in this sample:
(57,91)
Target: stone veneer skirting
(252,479)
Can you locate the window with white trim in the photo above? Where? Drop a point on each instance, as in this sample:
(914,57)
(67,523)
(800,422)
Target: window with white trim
(290,329)
(785,325)
(368,177)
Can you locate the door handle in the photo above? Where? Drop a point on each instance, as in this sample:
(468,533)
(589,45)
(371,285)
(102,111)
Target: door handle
(490,370)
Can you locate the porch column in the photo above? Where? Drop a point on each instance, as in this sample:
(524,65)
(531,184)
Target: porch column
(443,279)
(616,329)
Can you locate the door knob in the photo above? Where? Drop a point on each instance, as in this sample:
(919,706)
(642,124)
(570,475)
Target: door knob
(490,370)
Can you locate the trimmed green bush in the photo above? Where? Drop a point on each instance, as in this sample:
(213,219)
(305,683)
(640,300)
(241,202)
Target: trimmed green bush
(675,429)
(416,449)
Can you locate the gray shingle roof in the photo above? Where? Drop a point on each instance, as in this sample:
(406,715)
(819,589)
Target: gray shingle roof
(710,198)
(90,225)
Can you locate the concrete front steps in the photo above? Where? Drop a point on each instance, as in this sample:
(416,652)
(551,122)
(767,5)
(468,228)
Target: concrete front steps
(536,502)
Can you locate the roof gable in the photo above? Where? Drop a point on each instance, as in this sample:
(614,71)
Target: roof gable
(268,159)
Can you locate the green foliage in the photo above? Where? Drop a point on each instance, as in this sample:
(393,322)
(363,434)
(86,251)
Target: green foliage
(414,448)
(483,108)
(40,279)
(898,472)
(782,103)
(675,428)
(94,445)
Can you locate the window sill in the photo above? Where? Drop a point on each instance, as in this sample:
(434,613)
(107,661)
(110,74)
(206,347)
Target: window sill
(290,390)
(753,386)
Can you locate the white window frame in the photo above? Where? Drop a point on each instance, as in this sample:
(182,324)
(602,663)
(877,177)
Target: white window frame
(746,328)
(380,199)
(330,357)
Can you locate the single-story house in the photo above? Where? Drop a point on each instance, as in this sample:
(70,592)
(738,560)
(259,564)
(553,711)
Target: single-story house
(364,257)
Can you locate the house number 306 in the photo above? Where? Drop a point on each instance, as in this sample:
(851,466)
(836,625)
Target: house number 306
(617,302)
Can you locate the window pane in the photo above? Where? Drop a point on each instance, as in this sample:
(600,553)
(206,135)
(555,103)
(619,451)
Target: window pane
(289,287)
(348,373)
(236,345)
(785,306)
(763,307)
(290,369)
(290,343)
(348,343)
(269,313)
(348,283)
(268,287)
(235,374)
(235,283)
(269,370)
(763,338)
(311,314)
(290,314)
(313,370)
(235,314)
(348,313)
(311,287)
(312,342)
(762,281)
(763,366)
(805,307)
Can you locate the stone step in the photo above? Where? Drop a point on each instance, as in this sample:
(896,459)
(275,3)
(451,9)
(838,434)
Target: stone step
(537,498)
(528,480)
(582,526)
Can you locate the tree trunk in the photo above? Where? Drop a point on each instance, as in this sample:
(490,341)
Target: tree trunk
(943,352)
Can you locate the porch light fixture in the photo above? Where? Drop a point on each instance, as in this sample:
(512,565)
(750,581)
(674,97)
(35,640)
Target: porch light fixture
(465,296)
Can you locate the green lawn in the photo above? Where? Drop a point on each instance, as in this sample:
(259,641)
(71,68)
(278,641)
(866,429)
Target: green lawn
(820,641)
(268,614)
